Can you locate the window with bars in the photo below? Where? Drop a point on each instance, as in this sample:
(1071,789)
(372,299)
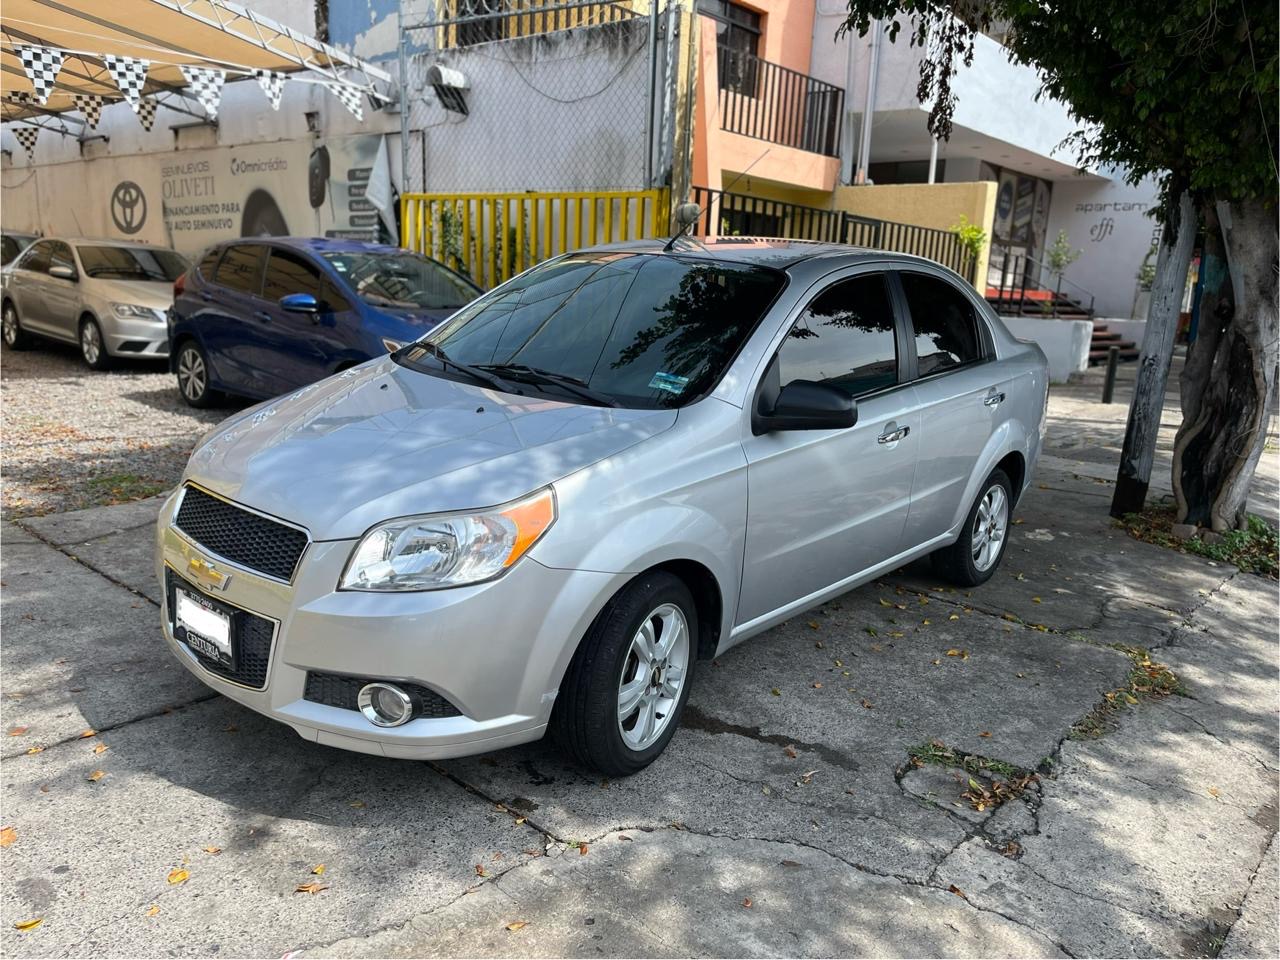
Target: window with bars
(737,43)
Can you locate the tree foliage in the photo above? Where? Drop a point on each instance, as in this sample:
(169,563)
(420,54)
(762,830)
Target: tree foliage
(1183,89)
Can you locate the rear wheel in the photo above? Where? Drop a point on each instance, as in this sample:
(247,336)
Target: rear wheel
(193,376)
(15,338)
(93,347)
(973,558)
(622,696)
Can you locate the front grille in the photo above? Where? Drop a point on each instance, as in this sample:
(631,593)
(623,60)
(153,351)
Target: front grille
(243,537)
(250,638)
(337,690)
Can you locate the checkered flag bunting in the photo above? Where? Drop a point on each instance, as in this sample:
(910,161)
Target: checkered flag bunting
(27,137)
(42,65)
(272,84)
(130,75)
(90,104)
(205,83)
(146,109)
(349,95)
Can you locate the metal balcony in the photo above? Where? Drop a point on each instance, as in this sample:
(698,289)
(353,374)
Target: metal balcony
(771,102)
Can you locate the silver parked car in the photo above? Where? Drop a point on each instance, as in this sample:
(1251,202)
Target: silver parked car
(545,513)
(109,297)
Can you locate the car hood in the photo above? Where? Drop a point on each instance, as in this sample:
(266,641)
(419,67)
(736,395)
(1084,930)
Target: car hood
(158,296)
(381,441)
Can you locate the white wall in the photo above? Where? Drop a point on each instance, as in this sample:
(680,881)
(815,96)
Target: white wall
(1065,343)
(1107,220)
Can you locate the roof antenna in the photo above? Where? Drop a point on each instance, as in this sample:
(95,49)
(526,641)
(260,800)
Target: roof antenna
(688,214)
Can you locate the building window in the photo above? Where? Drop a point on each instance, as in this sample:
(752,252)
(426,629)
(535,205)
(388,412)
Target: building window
(737,43)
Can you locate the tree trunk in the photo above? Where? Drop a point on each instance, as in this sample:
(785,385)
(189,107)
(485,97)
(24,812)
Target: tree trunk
(1143,428)
(1229,383)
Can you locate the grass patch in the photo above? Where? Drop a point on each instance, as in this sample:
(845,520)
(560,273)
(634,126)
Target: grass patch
(1255,549)
(1147,680)
(986,790)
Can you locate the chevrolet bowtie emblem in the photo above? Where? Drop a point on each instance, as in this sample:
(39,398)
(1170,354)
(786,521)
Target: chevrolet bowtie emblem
(207,574)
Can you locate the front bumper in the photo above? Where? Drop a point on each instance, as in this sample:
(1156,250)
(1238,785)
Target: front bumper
(496,650)
(136,338)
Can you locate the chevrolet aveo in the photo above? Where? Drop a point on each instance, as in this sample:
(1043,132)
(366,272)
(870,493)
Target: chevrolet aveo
(544,514)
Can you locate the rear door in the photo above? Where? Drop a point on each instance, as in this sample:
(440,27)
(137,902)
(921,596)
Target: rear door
(235,334)
(300,349)
(825,505)
(957,382)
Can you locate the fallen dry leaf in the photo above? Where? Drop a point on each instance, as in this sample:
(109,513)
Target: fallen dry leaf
(86,734)
(311,888)
(481,871)
(813,624)
(177,876)
(515,925)
(746,902)
(358,804)
(957,891)
(1213,792)
(790,863)
(790,750)
(318,869)
(868,704)
(18,731)
(985,733)
(7,836)
(100,748)
(28,924)
(776,692)
(582,849)
(212,851)
(520,820)
(32,751)
(817,686)
(96,776)
(155,909)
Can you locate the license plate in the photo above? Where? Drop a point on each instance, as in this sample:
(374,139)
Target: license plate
(205,630)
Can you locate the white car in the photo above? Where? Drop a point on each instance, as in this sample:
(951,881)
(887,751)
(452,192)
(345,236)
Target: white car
(111,298)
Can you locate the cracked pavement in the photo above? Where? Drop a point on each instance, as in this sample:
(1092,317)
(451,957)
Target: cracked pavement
(1155,838)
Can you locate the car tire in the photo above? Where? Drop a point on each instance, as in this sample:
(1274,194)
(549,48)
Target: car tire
(974,557)
(15,338)
(192,367)
(620,701)
(93,346)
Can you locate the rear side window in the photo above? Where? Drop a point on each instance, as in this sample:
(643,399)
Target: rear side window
(289,272)
(844,338)
(208,262)
(944,324)
(241,267)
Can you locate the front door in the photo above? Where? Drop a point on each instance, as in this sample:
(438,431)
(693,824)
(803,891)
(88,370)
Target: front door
(826,505)
(27,285)
(297,340)
(62,295)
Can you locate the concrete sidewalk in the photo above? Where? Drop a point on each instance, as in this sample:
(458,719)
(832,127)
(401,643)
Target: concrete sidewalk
(786,818)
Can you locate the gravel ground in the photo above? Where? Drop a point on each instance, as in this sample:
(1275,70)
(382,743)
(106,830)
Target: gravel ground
(74,438)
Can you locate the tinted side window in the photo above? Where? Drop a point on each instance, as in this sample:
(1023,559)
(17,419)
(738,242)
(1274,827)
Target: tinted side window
(289,272)
(60,256)
(334,299)
(208,262)
(9,248)
(945,323)
(241,267)
(844,338)
(37,257)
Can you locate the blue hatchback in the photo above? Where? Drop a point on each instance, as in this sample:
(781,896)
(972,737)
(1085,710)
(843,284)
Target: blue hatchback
(260,317)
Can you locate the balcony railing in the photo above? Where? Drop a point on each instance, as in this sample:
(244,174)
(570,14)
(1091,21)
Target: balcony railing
(771,102)
(463,23)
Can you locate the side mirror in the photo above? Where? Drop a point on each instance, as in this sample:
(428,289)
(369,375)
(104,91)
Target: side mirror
(62,272)
(299,303)
(805,405)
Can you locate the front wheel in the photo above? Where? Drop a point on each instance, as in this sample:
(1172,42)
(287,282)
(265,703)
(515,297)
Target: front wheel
(93,348)
(193,376)
(15,338)
(973,558)
(624,691)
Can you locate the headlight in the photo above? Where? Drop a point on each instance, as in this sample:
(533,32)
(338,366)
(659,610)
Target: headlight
(448,550)
(132,311)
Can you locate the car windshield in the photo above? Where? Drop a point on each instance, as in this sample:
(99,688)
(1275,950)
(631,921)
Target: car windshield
(131,263)
(402,280)
(639,330)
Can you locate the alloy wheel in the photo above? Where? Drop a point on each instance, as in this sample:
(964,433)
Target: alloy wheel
(9,326)
(653,675)
(990,527)
(192,377)
(90,343)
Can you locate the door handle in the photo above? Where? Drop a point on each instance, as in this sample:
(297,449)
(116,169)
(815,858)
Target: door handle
(263,316)
(993,399)
(206,297)
(893,436)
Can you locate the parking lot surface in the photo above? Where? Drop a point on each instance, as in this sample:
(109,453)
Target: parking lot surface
(151,817)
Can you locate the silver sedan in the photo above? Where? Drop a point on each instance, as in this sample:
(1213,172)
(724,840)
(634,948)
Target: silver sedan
(548,512)
(108,297)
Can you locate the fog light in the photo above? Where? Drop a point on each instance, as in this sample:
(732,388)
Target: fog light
(385,704)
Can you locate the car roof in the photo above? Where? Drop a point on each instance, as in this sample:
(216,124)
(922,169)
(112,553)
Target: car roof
(776,252)
(321,244)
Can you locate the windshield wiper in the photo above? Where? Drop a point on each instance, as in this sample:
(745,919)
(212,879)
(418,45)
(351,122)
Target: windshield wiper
(571,384)
(475,373)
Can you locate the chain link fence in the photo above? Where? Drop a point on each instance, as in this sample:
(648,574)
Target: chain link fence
(519,95)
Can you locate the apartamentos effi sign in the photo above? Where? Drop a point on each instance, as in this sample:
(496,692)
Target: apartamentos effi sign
(190,199)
